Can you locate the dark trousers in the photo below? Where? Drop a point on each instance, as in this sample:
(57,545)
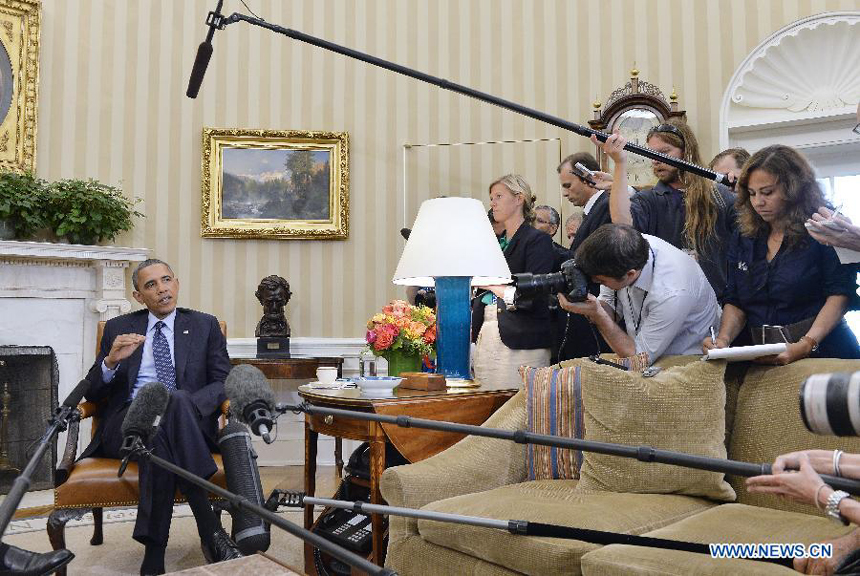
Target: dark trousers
(179,440)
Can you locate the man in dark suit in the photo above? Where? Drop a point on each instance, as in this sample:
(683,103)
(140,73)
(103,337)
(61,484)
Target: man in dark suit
(573,334)
(186,351)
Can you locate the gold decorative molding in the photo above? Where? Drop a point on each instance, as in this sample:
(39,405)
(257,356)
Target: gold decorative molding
(268,201)
(19,82)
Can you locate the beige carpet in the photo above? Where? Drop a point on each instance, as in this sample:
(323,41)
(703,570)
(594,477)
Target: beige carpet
(121,555)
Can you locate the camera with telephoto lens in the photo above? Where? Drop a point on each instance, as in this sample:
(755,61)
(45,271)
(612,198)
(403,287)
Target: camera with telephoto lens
(830,403)
(570,281)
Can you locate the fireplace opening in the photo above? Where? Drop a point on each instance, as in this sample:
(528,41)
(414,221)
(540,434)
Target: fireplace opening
(28,396)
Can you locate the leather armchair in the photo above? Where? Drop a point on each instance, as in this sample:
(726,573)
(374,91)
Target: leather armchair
(91,484)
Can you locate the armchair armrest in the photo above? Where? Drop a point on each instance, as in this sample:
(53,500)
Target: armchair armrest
(474,464)
(64,468)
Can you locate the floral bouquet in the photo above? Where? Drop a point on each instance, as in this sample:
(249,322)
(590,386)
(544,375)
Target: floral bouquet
(402,330)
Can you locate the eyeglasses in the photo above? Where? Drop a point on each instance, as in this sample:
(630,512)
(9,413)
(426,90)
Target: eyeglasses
(666,128)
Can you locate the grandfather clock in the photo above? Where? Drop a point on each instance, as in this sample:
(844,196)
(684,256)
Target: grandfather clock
(634,109)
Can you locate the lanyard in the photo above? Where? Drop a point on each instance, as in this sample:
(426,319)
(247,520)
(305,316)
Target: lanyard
(638,322)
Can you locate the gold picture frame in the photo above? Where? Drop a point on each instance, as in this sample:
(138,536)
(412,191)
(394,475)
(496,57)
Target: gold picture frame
(275,184)
(19,83)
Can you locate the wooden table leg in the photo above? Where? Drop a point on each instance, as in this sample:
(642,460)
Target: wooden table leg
(377,467)
(310,487)
(338,456)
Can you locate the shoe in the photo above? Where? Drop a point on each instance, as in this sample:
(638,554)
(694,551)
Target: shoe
(20,562)
(220,548)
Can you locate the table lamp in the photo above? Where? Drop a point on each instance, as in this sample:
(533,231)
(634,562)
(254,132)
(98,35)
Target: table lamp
(452,246)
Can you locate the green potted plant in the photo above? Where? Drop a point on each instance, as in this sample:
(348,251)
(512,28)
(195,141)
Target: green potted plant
(22,197)
(88,211)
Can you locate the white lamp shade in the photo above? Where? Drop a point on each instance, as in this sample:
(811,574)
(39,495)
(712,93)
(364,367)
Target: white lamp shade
(452,237)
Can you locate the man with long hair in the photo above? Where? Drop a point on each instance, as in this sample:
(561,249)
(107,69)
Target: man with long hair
(686,210)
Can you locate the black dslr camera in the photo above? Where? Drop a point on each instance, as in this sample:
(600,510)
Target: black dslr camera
(570,281)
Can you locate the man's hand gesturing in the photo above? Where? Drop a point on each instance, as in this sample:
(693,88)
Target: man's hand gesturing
(124,346)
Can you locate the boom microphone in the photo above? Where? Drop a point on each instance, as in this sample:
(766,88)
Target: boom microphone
(141,420)
(75,396)
(250,532)
(204,53)
(251,399)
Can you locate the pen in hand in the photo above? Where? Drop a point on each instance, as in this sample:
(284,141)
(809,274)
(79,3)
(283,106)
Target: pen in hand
(713,336)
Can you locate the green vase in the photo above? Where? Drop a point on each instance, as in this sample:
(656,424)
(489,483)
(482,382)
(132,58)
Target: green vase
(399,362)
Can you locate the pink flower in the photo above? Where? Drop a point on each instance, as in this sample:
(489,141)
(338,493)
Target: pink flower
(430,334)
(383,340)
(370,336)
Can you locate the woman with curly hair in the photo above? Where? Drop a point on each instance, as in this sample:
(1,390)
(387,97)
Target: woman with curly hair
(510,335)
(782,284)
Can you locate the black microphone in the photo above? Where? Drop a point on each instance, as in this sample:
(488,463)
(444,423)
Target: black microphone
(250,532)
(251,399)
(75,396)
(204,53)
(142,419)
(405,232)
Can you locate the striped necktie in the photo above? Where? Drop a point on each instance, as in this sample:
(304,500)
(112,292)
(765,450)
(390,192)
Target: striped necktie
(161,354)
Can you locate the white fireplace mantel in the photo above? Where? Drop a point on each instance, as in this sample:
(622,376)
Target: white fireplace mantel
(55,294)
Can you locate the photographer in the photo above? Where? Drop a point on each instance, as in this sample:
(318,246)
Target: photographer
(660,292)
(806,486)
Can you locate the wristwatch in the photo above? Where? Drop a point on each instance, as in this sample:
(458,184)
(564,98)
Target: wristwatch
(832,508)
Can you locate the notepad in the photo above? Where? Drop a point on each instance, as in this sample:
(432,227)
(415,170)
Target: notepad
(739,353)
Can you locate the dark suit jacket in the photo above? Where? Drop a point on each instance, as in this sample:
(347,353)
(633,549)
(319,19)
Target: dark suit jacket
(573,330)
(202,364)
(525,328)
(597,217)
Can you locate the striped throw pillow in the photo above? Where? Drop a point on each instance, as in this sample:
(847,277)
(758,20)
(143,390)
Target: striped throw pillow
(554,406)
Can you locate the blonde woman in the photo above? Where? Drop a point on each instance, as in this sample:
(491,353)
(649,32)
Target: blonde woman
(510,336)
(687,211)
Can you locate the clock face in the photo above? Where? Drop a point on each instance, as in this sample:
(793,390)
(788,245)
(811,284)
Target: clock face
(634,125)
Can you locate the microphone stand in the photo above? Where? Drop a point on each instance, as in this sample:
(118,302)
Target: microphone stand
(241,503)
(59,422)
(217,20)
(641,453)
(516,527)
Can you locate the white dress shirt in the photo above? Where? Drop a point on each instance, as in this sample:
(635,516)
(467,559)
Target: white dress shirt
(671,307)
(147,372)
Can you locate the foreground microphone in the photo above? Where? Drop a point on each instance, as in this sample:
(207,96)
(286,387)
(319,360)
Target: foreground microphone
(142,419)
(251,399)
(250,533)
(204,53)
(75,396)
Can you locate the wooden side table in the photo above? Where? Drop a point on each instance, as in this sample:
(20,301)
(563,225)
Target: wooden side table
(461,405)
(287,374)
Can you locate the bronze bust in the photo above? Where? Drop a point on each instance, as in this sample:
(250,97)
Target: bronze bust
(273,293)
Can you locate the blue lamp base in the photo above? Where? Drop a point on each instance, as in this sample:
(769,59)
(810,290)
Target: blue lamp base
(453,324)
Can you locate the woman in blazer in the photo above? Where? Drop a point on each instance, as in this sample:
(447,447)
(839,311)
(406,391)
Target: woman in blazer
(509,336)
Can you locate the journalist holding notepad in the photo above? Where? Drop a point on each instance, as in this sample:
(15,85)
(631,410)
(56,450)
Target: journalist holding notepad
(782,284)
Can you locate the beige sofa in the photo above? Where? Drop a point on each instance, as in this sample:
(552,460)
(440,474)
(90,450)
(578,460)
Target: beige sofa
(487,477)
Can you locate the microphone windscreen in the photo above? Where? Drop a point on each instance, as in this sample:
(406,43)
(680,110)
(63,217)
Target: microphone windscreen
(245,385)
(74,398)
(145,411)
(204,53)
(250,532)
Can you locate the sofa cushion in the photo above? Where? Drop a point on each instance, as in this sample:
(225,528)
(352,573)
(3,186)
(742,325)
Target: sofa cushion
(549,502)
(681,408)
(767,422)
(736,523)
(554,407)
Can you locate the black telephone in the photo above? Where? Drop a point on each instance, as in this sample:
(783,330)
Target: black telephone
(348,529)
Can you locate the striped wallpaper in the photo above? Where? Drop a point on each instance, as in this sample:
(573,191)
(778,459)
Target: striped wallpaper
(112,106)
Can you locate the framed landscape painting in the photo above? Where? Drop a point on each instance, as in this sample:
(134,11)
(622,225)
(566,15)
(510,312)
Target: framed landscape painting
(273,184)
